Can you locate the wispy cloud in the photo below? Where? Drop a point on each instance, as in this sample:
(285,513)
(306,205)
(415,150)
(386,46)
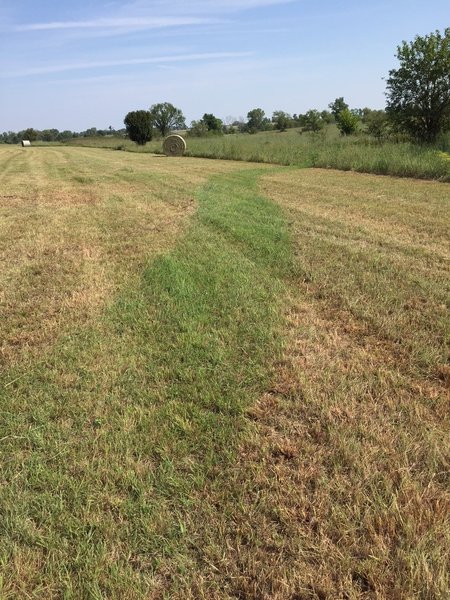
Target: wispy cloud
(203,6)
(61,68)
(118,23)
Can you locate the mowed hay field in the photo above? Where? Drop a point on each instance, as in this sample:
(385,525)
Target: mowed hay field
(221,380)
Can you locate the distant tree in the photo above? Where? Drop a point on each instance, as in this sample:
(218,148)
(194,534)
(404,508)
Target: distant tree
(282,120)
(48,135)
(256,120)
(207,125)
(166,116)
(327,116)
(30,134)
(347,122)
(300,120)
(65,135)
(337,107)
(313,121)
(139,126)
(212,123)
(91,132)
(418,92)
(198,129)
(376,122)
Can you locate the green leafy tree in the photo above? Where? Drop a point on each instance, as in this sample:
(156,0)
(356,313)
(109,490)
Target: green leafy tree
(166,116)
(347,122)
(49,135)
(418,92)
(198,129)
(212,123)
(282,120)
(327,116)
(139,126)
(337,107)
(376,122)
(313,121)
(256,120)
(30,134)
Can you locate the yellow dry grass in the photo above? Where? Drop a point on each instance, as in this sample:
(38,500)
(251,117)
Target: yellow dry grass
(344,477)
(75,223)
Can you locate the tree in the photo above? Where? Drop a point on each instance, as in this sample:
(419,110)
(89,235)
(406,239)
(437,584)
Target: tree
(282,120)
(212,123)
(256,120)
(49,135)
(347,122)
(376,122)
(30,134)
(418,92)
(198,129)
(327,116)
(139,126)
(337,107)
(166,116)
(313,121)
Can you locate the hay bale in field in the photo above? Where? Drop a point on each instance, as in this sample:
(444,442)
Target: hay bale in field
(174,145)
(26,143)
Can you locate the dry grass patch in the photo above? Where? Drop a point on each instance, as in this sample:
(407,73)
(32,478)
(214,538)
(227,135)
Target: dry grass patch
(77,223)
(342,489)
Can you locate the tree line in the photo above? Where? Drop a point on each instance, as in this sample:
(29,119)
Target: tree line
(54,135)
(417,94)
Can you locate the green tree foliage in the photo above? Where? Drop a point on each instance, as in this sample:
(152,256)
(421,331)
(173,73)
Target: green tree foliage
(282,120)
(327,116)
(166,116)
(418,92)
(198,129)
(30,134)
(49,135)
(212,123)
(376,122)
(139,126)
(347,122)
(257,120)
(313,121)
(337,107)
(207,125)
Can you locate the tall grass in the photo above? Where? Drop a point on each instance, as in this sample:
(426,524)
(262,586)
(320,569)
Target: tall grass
(327,150)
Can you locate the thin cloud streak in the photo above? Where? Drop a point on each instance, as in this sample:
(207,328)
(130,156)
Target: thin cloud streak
(129,62)
(140,23)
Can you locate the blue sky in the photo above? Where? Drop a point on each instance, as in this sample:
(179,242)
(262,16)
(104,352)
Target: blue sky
(74,65)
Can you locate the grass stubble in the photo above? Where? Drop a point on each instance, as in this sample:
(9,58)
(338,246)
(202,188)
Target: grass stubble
(254,405)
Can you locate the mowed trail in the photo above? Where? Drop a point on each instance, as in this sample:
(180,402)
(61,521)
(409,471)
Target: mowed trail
(74,224)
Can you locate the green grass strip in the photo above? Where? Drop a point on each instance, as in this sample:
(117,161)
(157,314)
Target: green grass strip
(109,443)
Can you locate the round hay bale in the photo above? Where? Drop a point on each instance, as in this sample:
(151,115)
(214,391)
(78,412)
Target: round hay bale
(174,145)
(26,143)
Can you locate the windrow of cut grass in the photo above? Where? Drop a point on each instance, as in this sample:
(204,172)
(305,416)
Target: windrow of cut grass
(326,149)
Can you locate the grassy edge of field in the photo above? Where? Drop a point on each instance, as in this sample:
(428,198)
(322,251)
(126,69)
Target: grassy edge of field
(149,403)
(325,150)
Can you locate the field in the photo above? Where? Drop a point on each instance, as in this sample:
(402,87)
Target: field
(326,149)
(221,380)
